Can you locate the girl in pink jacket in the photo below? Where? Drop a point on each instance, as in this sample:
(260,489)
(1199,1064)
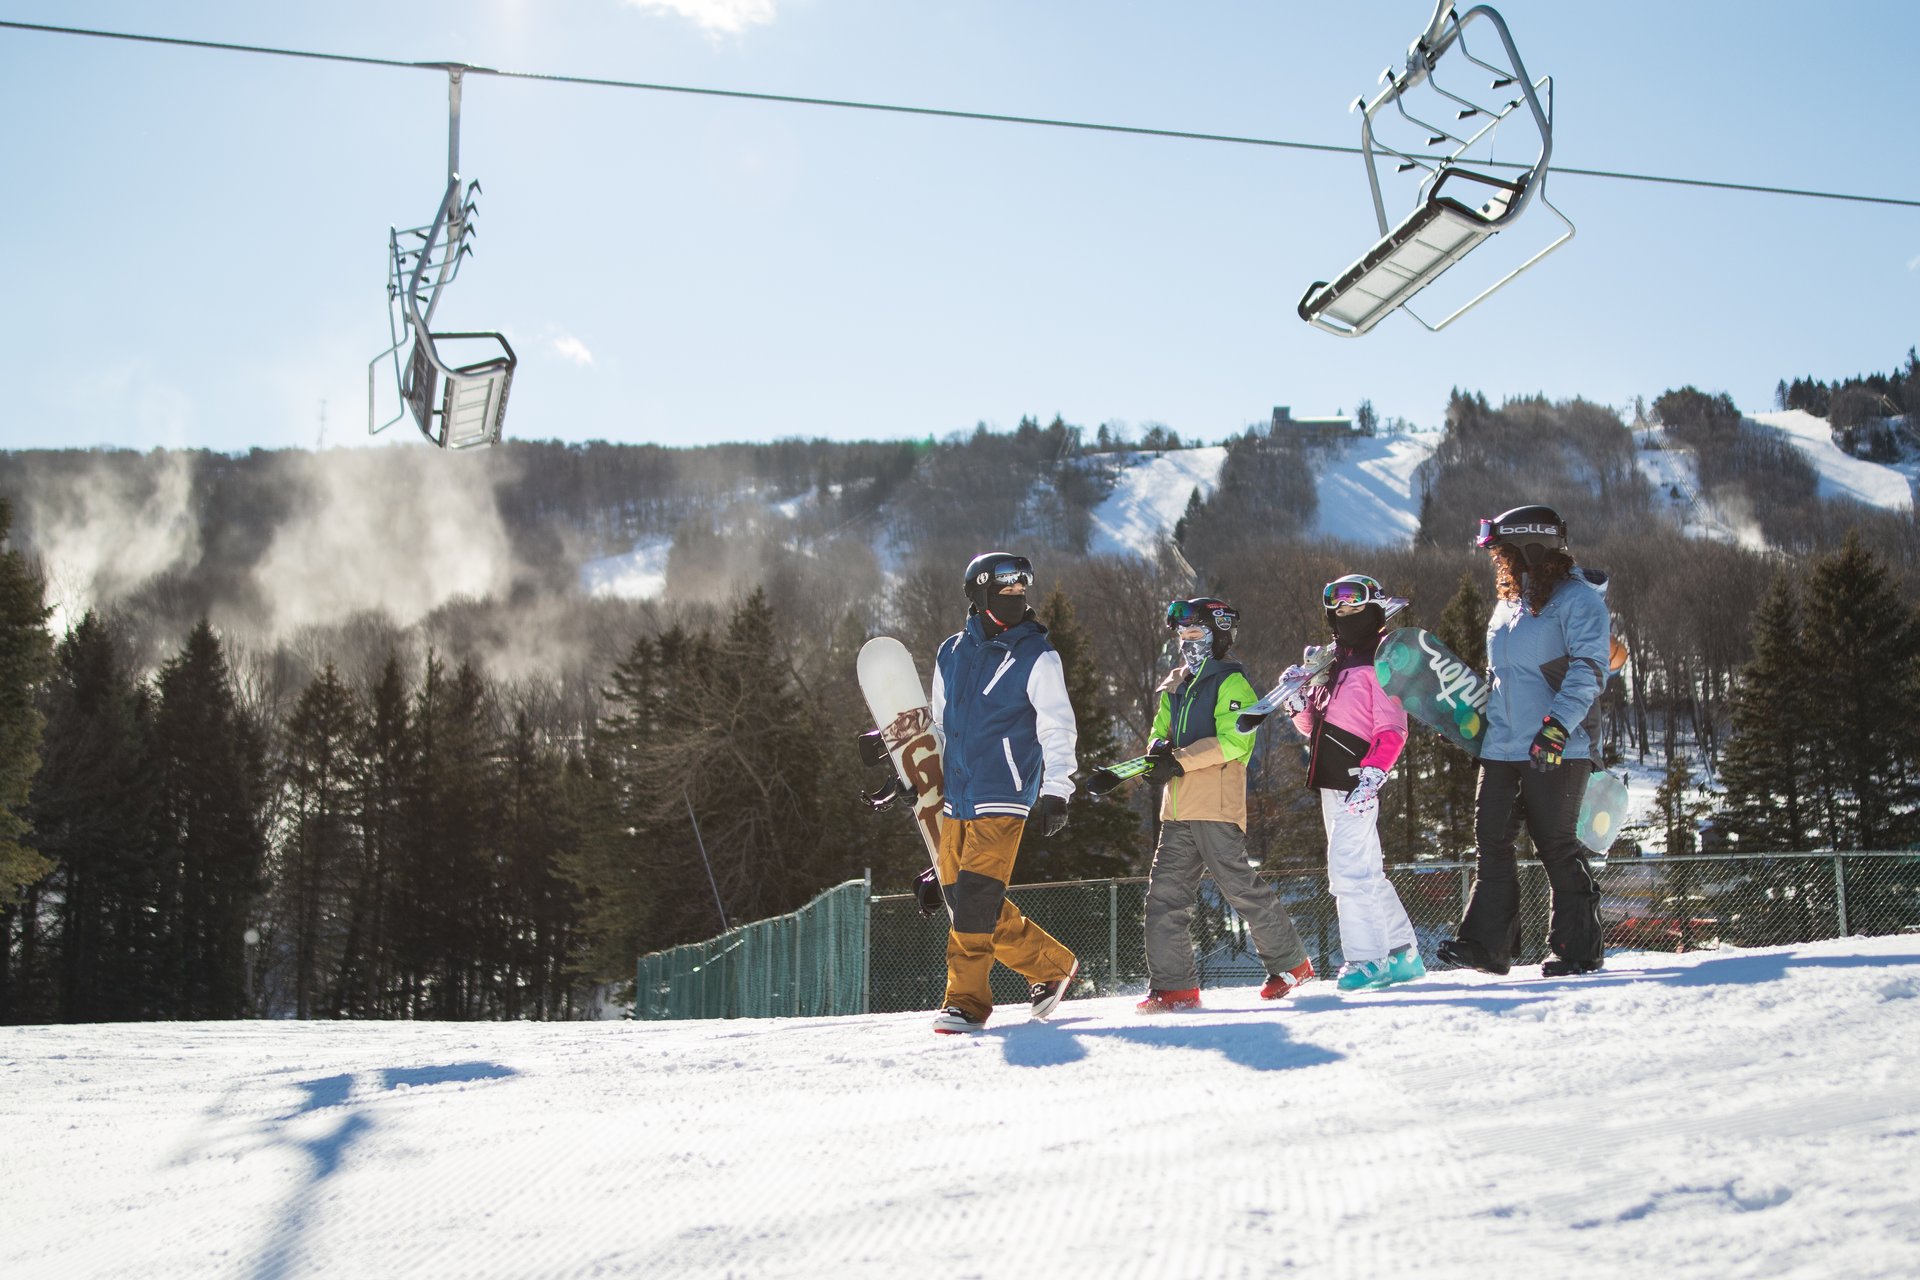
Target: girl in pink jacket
(1356,732)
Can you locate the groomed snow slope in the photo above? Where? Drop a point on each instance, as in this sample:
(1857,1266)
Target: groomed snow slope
(1367,490)
(1705,1115)
(1841,474)
(1150,496)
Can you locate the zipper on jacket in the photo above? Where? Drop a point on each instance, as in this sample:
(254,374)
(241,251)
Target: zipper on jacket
(1005,665)
(1006,745)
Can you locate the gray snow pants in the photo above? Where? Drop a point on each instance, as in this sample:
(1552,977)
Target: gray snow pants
(1219,849)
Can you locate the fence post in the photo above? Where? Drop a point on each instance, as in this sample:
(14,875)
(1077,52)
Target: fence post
(866,942)
(1840,891)
(1113,936)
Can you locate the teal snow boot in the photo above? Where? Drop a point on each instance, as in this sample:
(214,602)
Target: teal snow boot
(1366,975)
(1405,966)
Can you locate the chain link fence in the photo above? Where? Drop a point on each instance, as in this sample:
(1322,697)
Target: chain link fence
(809,963)
(1658,904)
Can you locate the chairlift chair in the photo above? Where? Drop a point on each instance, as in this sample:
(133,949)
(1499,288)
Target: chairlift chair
(422,261)
(1442,228)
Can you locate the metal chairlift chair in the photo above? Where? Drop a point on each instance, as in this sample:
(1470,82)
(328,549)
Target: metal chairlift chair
(422,262)
(1442,228)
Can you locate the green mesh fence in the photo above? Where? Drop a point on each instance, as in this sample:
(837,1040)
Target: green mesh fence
(1660,904)
(810,963)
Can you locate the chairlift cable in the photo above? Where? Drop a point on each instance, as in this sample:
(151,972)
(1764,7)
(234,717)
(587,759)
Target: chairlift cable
(938,112)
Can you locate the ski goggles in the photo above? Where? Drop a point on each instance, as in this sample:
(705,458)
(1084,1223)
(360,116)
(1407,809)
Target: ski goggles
(1355,588)
(1017,572)
(1201,613)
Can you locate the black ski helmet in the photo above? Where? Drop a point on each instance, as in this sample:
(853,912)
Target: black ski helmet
(1533,529)
(991,572)
(1217,616)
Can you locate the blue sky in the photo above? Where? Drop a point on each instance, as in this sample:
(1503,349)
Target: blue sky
(192,247)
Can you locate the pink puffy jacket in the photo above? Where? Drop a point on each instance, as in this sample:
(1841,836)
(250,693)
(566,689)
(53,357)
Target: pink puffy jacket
(1362,713)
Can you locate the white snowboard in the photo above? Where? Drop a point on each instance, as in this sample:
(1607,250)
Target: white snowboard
(898,702)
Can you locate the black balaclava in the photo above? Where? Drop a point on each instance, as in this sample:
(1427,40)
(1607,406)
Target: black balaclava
(1359,631)
(1002,611)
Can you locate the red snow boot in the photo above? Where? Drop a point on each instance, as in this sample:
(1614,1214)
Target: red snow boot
(1169,1001)
(1282,984)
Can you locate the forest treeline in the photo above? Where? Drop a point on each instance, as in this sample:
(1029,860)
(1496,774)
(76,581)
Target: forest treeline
(373,820)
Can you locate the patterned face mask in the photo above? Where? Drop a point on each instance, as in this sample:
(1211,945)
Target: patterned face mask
(1196,652)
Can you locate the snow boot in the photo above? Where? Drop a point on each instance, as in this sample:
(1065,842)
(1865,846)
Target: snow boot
(1046,996)
(1366,974)
(1405,966)
(1469,954)
(1561,967)
(1169,1001)
(1281,984)
(954,1021)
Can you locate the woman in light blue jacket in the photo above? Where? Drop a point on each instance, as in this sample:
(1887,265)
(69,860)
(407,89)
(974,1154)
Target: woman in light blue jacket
(1547,651)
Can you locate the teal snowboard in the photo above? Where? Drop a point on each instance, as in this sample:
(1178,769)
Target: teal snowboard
(1442,692)
(1437,688)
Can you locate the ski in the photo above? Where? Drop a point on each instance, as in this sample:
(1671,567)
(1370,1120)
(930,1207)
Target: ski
(1314,670)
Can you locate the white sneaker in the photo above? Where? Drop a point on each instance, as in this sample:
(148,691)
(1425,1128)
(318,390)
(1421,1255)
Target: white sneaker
(1046,996)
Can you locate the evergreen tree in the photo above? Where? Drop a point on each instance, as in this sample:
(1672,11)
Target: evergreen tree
(93,815)
(1767,766)
(321,781)
(538,906)
(212,844)
(1102,836)
(1679,813)
(368,985)
(25,661)
(1864,708)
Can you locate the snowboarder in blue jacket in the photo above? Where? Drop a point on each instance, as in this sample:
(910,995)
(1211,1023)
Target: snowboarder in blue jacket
(1547,652)
(1007,734)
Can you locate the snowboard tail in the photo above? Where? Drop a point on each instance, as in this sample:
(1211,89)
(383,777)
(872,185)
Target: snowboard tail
(898,703)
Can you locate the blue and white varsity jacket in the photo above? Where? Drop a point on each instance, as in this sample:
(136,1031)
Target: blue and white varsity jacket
(1001,717)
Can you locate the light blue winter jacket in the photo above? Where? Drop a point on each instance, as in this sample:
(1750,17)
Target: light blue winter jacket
(1553,665)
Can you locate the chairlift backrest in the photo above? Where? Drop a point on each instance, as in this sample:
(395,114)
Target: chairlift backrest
(1441,229)
(422,262)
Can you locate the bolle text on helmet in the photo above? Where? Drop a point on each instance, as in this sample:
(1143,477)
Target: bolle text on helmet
(1551,530)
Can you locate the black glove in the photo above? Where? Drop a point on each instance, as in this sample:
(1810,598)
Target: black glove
(926,892)
(1050,815)
(1549,745)
(1164,766)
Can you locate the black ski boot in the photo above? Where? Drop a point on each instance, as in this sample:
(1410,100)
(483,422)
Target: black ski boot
(1468,954)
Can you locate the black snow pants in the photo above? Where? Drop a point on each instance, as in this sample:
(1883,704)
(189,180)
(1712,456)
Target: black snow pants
(1512,792)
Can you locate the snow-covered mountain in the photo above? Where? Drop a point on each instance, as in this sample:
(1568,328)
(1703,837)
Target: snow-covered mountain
(1701,1115)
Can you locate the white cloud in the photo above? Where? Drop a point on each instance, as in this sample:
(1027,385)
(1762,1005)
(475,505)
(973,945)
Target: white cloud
(571,348)
(729,17)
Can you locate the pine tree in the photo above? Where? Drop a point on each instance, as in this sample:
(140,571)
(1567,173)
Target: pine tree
(1864,712)
(93,815)
(212,844)
(25,661)
(1767,764)
(370,963)
(1103,833)
(321,781)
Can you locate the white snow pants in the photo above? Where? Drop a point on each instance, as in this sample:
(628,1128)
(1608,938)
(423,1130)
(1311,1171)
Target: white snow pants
(1373,923)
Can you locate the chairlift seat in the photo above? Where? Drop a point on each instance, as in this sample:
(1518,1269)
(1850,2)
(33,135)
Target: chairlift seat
(473,400)
(1438,233)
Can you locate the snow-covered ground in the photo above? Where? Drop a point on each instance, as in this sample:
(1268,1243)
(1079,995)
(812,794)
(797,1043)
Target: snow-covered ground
(1367,491)
(1150,496)
(1841,474)
(1706,1115)
(640,574)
